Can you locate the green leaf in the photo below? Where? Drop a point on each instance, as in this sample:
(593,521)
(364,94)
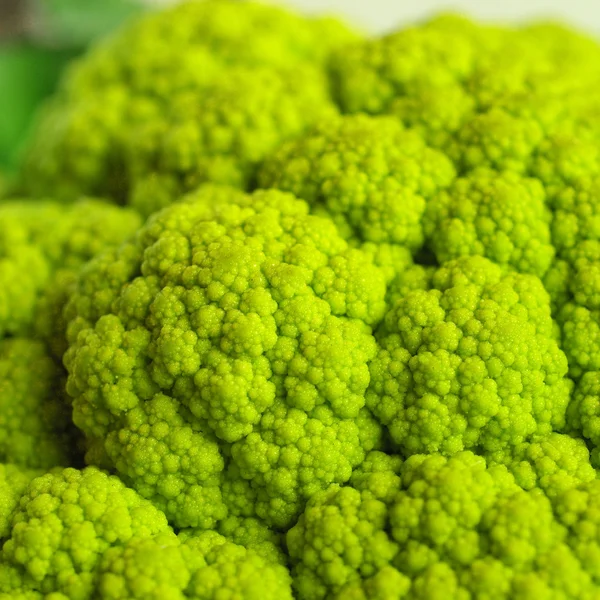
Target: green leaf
(27,76)
(29,72)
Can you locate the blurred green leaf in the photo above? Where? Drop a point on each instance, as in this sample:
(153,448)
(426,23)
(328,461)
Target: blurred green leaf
(3,184)
(27,75)
(30,70)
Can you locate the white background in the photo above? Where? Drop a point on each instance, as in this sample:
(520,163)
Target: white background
(381,15)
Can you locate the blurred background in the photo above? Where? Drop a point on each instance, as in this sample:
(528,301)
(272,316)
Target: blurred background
(39,38)
(379,15)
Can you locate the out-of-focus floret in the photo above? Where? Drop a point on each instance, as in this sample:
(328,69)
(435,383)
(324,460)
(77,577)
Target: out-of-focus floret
(231,80)
(35,420)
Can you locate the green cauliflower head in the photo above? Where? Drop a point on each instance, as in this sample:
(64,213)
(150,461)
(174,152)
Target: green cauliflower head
(368,174)
(470,363)
(35,422)
(64,522)
(199,69)
(234,334)
(43,246)
(500,216)
(14,480)
(454,528)
(205,566)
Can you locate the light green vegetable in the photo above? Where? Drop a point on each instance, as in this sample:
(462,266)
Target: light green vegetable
(353,351)
(234,339)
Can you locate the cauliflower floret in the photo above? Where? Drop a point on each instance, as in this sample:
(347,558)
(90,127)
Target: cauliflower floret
(577,510)
(14,480)
(23,273)
(35,425)
(184,84)
(369,76)
(368,174)
(501,217)
(43,245)
(454,528)
(554,463)
(64,522)
(468,364)
(215,135)
(233,333)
